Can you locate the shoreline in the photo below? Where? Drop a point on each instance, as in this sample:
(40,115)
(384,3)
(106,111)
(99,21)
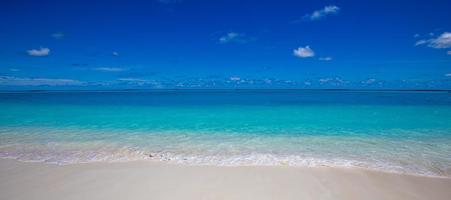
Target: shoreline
(189,164)
(160,180)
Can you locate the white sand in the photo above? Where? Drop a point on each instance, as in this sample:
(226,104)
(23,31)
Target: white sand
(156,180)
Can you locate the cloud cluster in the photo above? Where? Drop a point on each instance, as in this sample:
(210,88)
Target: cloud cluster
(222,82)
(335,81)
(319,14)
(443,41)
(140,82)
(39,52)
(304,52)
(17,81)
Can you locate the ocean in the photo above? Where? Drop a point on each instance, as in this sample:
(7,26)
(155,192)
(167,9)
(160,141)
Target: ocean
(393,131)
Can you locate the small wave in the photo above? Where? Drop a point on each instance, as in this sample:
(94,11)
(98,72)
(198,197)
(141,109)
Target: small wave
(292,160)
(253,159)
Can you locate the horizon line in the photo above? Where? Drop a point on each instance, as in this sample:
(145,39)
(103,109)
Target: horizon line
(224,89)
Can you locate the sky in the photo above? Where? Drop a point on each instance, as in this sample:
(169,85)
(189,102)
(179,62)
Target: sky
(165,44)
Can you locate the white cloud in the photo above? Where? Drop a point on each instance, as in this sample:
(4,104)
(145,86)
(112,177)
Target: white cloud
(39,52)
(229,37)
(443,41)
(235,78)
(416,35)
(109,69)
(448,75)
(448,52)
(332,81)
(304,52)
(267,81)
(328,58)
(141,82)
(17,81)
(319,14)
(233,37)
(369,81)
(325,80)
(420,42)
(58,35)
(115,53)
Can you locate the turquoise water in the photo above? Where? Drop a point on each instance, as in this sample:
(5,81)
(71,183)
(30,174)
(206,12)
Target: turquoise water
(405,132)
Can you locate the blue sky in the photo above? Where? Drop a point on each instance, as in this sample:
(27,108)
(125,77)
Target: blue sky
(225,44)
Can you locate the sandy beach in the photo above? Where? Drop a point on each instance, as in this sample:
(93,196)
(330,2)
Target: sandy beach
(158,180)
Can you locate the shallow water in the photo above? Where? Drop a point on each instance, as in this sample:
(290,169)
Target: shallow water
(407,132)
